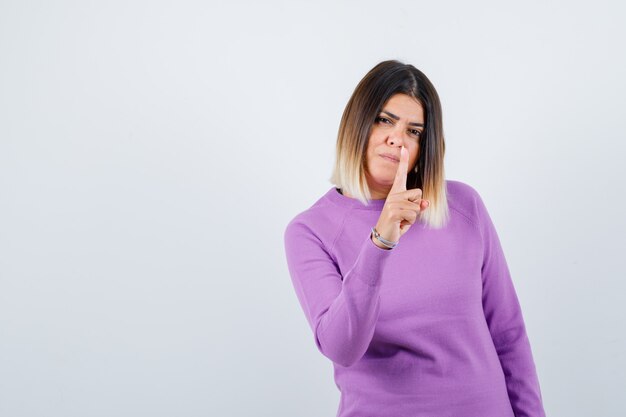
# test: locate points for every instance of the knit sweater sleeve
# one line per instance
(341, 310)
(506, 324)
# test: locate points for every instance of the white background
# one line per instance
(152, 153)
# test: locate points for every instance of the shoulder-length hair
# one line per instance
(379, 85)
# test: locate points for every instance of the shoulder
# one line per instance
(465, 199)
(322, 221)
(460, 191)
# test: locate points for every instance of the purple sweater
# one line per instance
(430, 328)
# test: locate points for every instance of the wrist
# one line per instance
(377, 242)
(380, 241)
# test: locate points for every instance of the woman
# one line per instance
(400, 273)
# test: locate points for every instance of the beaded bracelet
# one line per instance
(385, 242)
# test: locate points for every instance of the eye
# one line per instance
(416, 132)
(382, 119)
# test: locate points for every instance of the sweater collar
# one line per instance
(341, 200)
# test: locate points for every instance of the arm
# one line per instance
(506, 324)
(342, 314)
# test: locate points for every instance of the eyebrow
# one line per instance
(393, 116)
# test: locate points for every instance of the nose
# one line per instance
(396, 136)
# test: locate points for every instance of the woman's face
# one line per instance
(400, 122)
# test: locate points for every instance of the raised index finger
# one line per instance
(399, 183)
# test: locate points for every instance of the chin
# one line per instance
(382, 175)
(384, 179)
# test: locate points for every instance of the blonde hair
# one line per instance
(379, 84)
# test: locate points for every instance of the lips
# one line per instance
(390, 157)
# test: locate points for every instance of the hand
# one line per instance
(401, 206)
